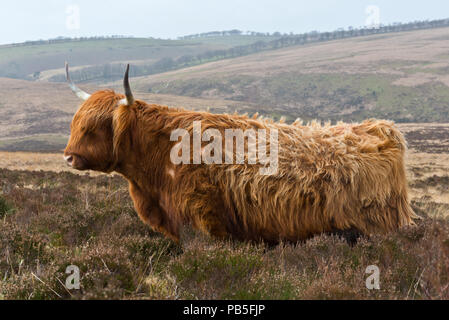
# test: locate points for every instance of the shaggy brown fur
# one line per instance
(342, 177)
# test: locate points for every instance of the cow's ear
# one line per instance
(129, 99)
(122, 123)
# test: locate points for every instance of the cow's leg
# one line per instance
(150, 212)
(209, 222)
(207, 213)
(350, 235)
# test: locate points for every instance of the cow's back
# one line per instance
(329, 177)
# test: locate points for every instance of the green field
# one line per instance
(323, 96)
(22, 61)
(35, 143)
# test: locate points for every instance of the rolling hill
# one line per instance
(41, 60)
(400, 76)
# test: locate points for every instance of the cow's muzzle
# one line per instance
(75, 161)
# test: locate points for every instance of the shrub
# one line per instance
(5, 207)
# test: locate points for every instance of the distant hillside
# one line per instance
(399, 76)
(40, 60)
(36, 116)
(101, 59)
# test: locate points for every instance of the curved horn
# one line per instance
(128, 93)
(80, 93)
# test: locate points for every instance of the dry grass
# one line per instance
(52, 220)
(29, 161)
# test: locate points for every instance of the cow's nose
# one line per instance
(68, 159)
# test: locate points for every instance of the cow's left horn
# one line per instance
(80, 93)
(128, 93)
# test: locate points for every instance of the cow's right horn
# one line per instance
(80, 93)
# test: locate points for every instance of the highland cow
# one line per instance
(329, 177)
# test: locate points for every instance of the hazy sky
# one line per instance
(31, 20)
